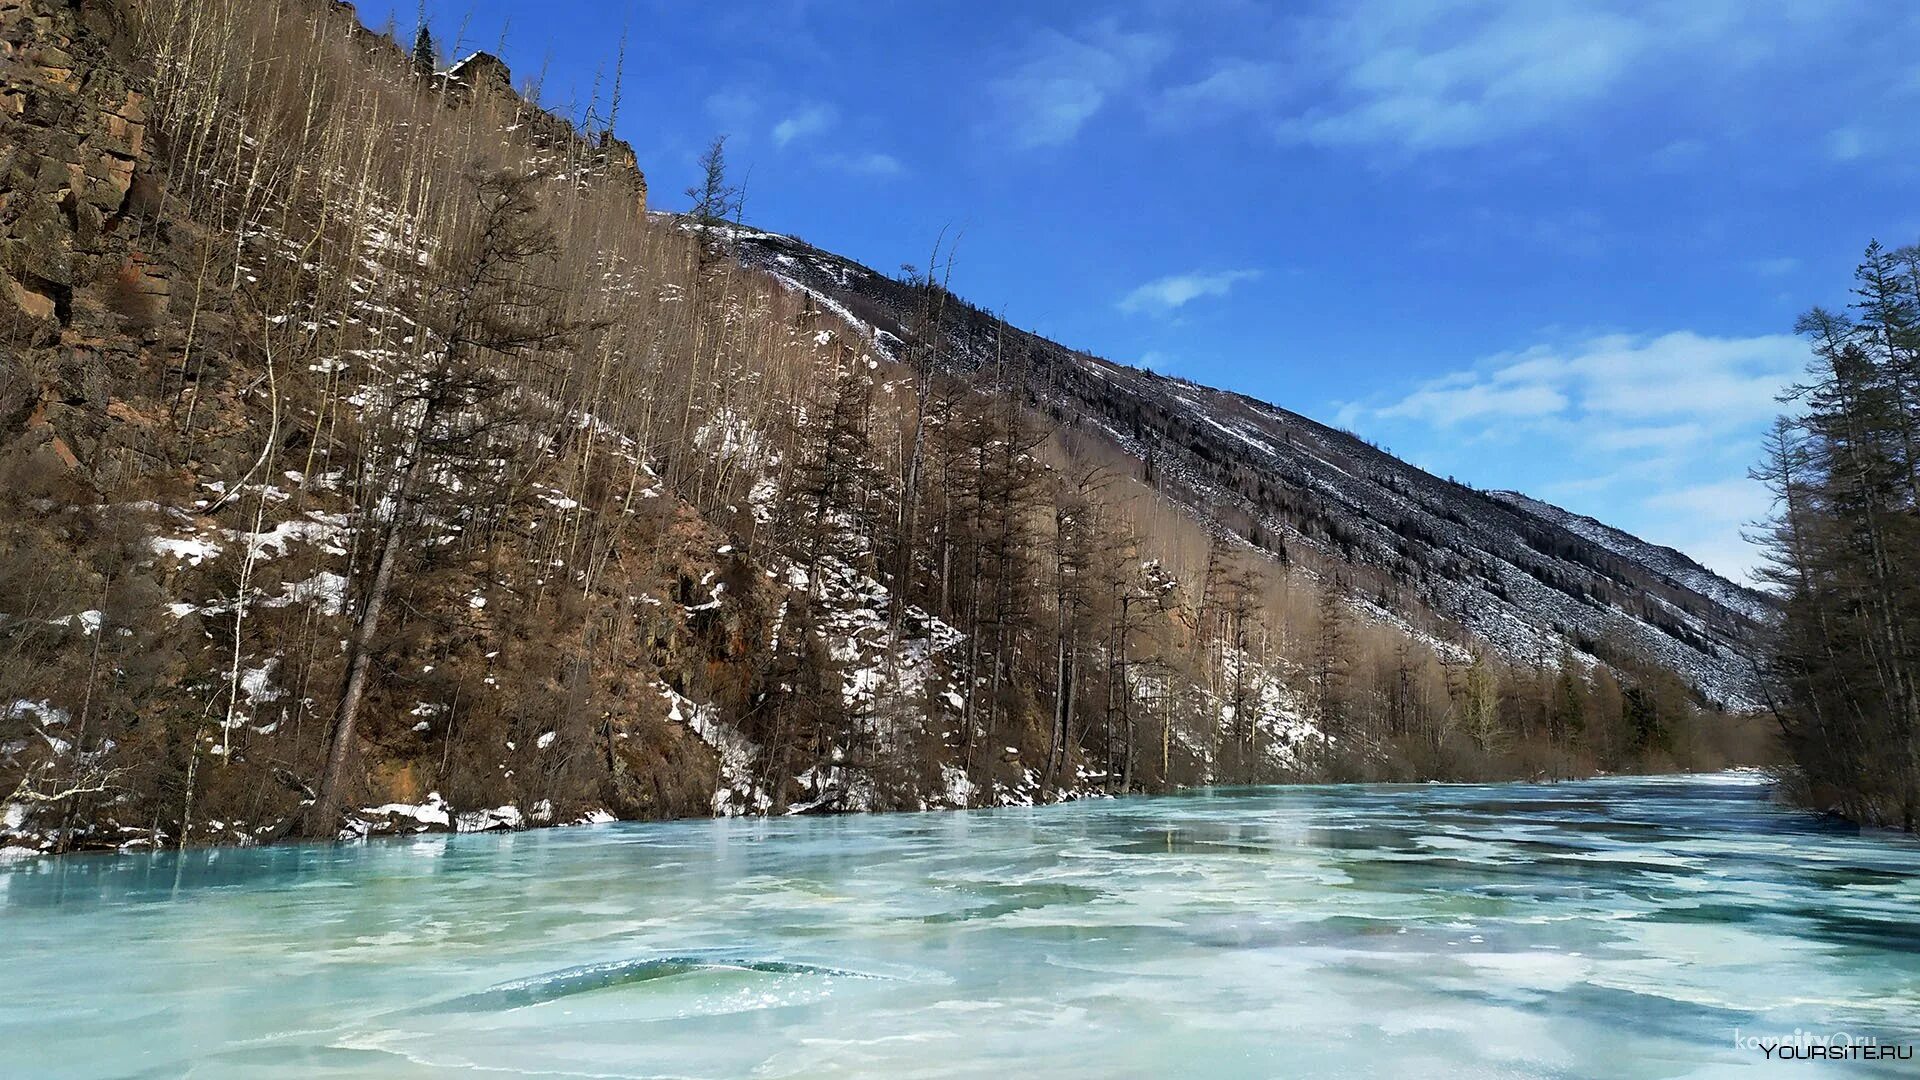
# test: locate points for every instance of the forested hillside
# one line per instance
(371, 460)
(1497, 570)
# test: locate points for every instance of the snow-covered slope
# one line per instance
(1507, 572)
(1665, 560)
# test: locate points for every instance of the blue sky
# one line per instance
(1551, 245)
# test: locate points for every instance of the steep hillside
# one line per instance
(1521, 576)
(371, 461)
(1673, 565)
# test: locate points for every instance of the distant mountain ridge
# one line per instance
(1675, 564)
(1512, 573)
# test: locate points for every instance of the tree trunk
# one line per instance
(1062, 701)
(321, 818)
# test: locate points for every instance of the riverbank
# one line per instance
(434, 815)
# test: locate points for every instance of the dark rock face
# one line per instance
(80, 288)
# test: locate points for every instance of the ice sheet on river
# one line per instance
(1608, 928)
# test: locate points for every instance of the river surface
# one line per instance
(1609, 928)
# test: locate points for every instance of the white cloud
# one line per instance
(1720, 380)
(1436, 77)
(1230, 85)
(1668, 438)
(867, 163)
(734, 109)
(1775, 267)
(1708, 522)
(1679, 155)
(809, 121)
(1066, 79)
(1446, 405)
(1652, 433)
(1166, 295)
(1618, 379)
(1416, 76)
(1731, 501)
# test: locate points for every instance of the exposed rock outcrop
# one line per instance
(483, 81)
(82, 291)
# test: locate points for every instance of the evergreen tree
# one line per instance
(1568, 719)
(1844, 667)
(425, 59)
(715, 201)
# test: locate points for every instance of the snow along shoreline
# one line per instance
(435, 817)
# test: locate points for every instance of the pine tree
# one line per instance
(1568, 718)
(425, 60)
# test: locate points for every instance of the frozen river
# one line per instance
(1614, 928)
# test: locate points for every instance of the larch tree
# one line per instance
(715, 199)
(491, 302)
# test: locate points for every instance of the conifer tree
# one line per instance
(715, 200)
(425, 60)
(1844, 667)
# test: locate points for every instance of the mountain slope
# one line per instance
(1674, 565)
(365, 445)
(1525, 578)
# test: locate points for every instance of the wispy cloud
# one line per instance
(1447, 402)
(1708, 521)
(1731, 500)
(1852, 144)
(1779, 266)
(806, 122)
(1164, 296)
(1229, 86)
(735, 109)
(1438, 76)
(1411, 77)
(1618, 378)
(1065, 79)
(1663, 427)
(864, 163)
(1571, 230)
(1650, 438)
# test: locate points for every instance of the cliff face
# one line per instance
(81, 290)
(215, 336)
(86, 283)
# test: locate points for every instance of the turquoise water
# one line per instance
(1606, 928)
